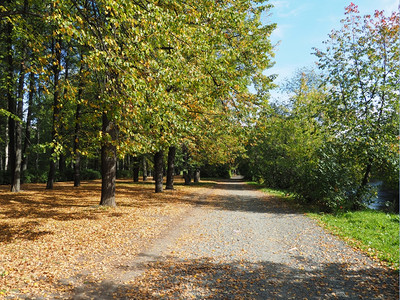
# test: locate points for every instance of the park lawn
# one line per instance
(374, 232)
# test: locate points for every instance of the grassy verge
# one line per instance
(374, 232)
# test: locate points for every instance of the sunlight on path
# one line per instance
(244, 244)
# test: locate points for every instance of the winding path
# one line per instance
(238, 243)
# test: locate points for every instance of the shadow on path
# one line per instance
(205, 279)
(235, 195)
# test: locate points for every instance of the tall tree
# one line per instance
(27, 139)
(56, 69)
(10, 98)
(362, 69)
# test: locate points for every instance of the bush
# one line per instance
(124, 174)
(216, 171)
(67, 175)
(34, 177)
(5, 177)
(90, 174)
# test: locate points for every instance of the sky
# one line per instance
(304, 24)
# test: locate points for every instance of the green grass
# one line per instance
(278, 193)
(374, 232)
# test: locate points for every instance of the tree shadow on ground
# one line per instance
(173, 278)
(227, 194)
(239, 196)
(23, 213)
(34, 205)
(26, 231)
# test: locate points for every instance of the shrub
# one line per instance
(217, 171)
(90, 174)
(124, 174)
(34, 177)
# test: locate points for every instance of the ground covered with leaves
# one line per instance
(54, 240)
(214, 240)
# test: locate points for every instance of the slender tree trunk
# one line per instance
(6, 154)
(358, 204)
(196, 177)
(158, 171)
(56, 112)
(28, 121)
(37, 153)
(144, 164)
(186, 172)
(11, 100)
(62, 160)
(62, 165)
(367, 172)
(136, 167)
(171, 167)
(16, 183)
(108, 163)
(187, 176)
(16, 171)
(77, 156)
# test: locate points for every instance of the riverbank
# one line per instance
(374, 232)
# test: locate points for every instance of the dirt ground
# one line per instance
(216, 240)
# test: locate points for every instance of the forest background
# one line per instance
(105, 89)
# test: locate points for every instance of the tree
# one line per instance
(123, 78)
(362, 71)
(158, 170)
(171, 168)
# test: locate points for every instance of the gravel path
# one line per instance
(238, 243)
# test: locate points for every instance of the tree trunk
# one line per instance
(108, 163)
(7, 146)
(367, 173)
(144, 163)
(187, 176)
(136, 167)
(11, 100)
(77, 156)
(62, 166)
(196, 175)
(170, 169)
(16, 183)
(358, 203)
(56, 112)
(28, 121)
(186, 172)
(158, 171)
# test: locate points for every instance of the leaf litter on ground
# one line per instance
(52, 241)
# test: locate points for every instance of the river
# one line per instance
(384, 198)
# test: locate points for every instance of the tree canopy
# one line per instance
(340, 128)
(112, 80)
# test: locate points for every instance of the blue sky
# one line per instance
(304, 24)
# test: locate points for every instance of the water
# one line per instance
(383, 198)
